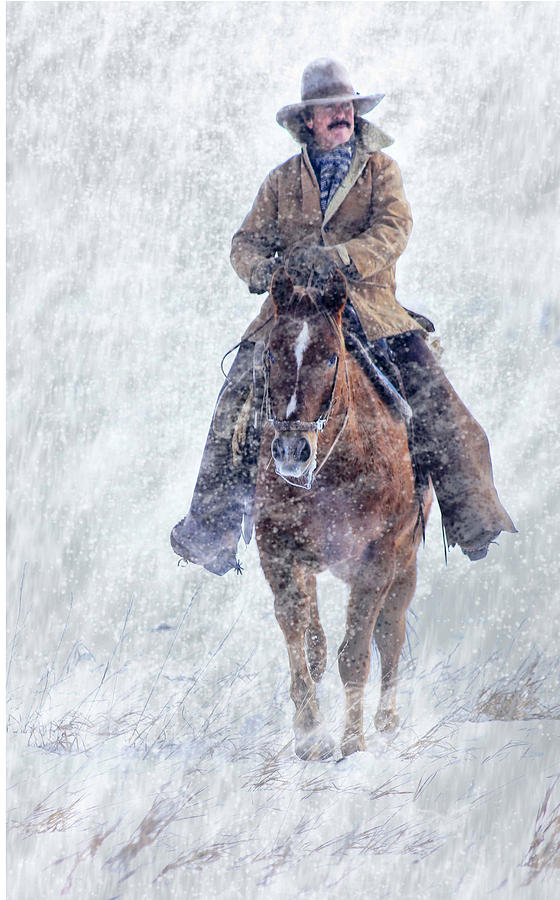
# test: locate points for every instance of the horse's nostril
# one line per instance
(303, 450)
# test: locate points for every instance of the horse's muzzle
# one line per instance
(294, 452)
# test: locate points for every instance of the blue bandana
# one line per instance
(330, 168)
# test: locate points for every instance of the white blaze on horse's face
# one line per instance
(301, 345)
(295, 450)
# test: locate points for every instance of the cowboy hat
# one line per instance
(326, 81)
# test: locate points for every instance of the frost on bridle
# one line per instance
(296, 424)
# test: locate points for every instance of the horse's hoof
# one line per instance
(314, 746)
(354, 743)
(386, 720)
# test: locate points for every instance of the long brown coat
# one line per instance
(367, 222)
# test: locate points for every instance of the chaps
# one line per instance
(452, 447)
(209, 533)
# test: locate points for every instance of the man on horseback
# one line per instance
(340, 204)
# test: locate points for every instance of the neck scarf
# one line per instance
(330, 167)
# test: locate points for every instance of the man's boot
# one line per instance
(209, 533)
(452, 447)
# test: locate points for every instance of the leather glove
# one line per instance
(340, 254)
(309, 261)
(261, 275)
(351, 272)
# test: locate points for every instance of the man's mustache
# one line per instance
(339, 122)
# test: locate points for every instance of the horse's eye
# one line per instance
(332, 360)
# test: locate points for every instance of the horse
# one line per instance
(340, 497)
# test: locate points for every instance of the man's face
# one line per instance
(331, 124)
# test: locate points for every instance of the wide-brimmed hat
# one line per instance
(326, 81)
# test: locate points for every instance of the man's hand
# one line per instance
(261, 275)
(309, 264)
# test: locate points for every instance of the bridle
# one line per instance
(317, 425)
(295, 424)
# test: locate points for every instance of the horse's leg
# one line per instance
(315, 640)
(367, 595)
(294, 590)
(389, 635)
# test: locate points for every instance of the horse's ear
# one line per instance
(281, 289)
(335, 293)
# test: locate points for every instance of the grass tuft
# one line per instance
(544, 852)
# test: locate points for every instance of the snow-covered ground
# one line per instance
(149, 719)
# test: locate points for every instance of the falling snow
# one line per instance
(150, 748)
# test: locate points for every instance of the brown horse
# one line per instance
(342, 498)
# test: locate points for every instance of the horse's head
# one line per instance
(305, 353)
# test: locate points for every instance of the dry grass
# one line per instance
(481, 693)
(45, 818)
(162, 813)
(283, 853)
(521, 695)
(202, 856)
(385, 838)
(86, 853)
(432, 743)
(195, 724)
(544, 852)
(70, 735)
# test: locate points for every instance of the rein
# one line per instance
(236, 346)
